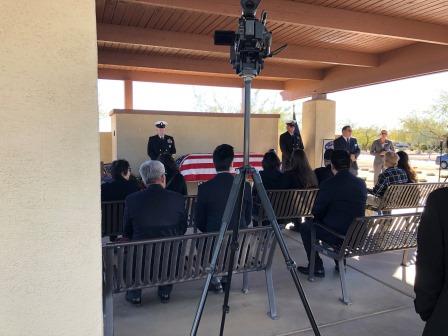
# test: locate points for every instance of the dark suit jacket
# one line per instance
(323, 173)
(431, 282)
(212, 200)
(340, 200)
(157, 146)
(118, 190)
(154, 213)
(351, 147)
(272, 179)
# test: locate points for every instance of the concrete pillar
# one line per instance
(50, 254)
(128, 95)
(318, 123)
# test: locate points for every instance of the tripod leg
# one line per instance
(227, 216)
(290, 264)
(234, 245)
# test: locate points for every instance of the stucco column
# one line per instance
(318, 123)
(50, 277)
(128, 95)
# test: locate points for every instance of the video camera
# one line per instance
(251, 43)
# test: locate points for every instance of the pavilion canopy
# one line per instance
(332, 44)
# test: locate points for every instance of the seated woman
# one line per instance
(175, 181)
(271, 175)
(300, 175)
(403, 163)
(121, 186)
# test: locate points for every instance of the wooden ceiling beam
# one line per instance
(172, 78)
(290, 12)
(192, 66)
(411, 61)
(185, 41)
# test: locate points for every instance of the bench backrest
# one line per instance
(184, 258)
(374, 234)
(409, 195)
(112, 216)
(289, 204)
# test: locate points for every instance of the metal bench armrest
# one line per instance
(323, 227)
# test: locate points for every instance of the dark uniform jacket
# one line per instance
(340, 200)
(288, 143)
(431, 282)
(350, 147)
(158, 146)
(118, 190)
(154, 213)
(212, 200)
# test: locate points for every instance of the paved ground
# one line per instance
(382, 303)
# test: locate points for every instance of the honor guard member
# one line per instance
(289, 141)
(161, 143)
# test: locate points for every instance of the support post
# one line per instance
(128, 95)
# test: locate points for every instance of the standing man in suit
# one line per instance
(212, 200)
(160, 143)
(431, 281)
(289, 141)
(153, 213)
(350, 145)
(340, 200)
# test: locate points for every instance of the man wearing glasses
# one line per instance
(349, 144)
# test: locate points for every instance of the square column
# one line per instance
(318, 123)
(50, 278)
(128, 95)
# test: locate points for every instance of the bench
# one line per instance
(112, 216)
(365, 236)
(174, 260)
(287, 204)
(404, 196)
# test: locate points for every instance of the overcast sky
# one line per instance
(382, 105)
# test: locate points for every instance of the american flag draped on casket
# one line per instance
(199, 167)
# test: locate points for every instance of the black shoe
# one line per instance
(216, 288)
(164, 298)
(295, 228)
(319, 272)
(134, 301)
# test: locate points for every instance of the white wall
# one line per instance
(50, 265)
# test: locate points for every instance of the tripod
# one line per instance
(234, 201)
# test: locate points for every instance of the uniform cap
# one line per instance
(290, 123)
(161, 124)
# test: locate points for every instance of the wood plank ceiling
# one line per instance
(332, 44)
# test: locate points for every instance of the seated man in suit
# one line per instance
(212, 199)
(340, 200)
(121, 185)
(350, 145)
(154, 213)
(431, 281)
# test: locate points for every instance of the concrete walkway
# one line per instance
(382, 303)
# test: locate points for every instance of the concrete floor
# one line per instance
(382, 303)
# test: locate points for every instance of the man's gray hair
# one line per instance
(151, 170)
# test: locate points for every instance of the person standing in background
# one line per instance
(160, 143)
(289, 141)
(379, 148)
(349, 144)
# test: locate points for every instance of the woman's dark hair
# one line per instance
(169, 163)
(403, 163)
(302, 169)
(270, 161)
(222, 157)
(118, 168)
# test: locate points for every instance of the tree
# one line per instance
(365, 136)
